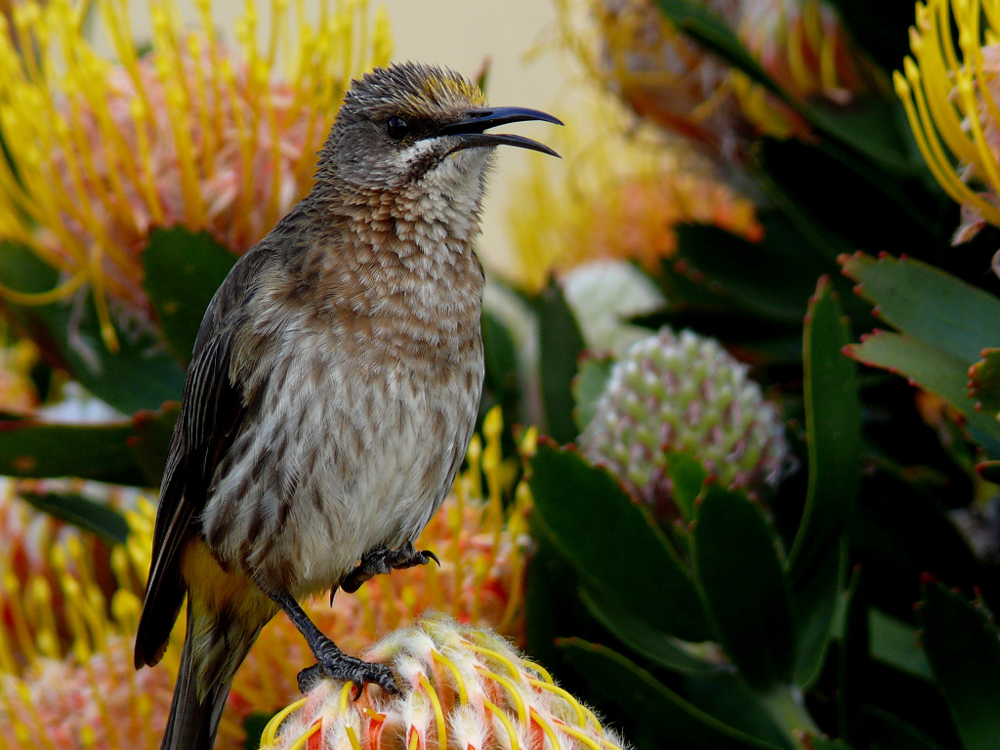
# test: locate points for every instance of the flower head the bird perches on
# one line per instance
(465, 687)
(193, 133)
(952, 98)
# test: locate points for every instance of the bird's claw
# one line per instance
(382, 560)
(348, 669)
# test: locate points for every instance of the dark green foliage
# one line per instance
(141, 375)
(588, 386)
(560, 345)
(963, 646)
(619, 680)
(741, 579)
(608, 539)
(127, 452)
(182, 272)
(83, 513)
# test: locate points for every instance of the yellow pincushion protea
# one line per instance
(193, 133)
(952, 99)
(463, 688)
(66, 674)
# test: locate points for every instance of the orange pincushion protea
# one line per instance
(66, 675)
(463, 687)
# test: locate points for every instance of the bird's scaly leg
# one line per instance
(330, 660)
(382, 560)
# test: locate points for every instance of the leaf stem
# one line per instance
(787, 708)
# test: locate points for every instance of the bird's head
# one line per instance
(416, 127)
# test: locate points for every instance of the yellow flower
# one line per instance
(66, 675)
(192, 133)
(463, 688)
(17, 392)
(951, 96)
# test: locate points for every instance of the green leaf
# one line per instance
(588, 386)
(852, 676)
(740, 573)
(759, 275)
(83, 513)
(643, 638)
(963, 647)
(560, 344)
(817, 561)
(500, 355)
(613, 543)
(687, 475)
(984, 382)
(933, 369)
(653, 705)
(924, 302)
(183, 269)
(833, 435)
(552, 607)
(815, 601)
(142, 375)
(33, 449)
(730, 700)
(894, 642)
(825, 743)
(889, 731)
(131, 452)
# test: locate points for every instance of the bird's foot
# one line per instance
(382, 560)
(333, 663)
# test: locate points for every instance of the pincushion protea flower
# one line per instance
(668, 78)
(463, 687)
(952, 99)
(804, 46)
(192, 133)
(665, 77)
(684, 393)
(66, 674)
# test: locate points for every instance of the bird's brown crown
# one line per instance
(414, 88)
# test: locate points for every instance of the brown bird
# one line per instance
(332, 391)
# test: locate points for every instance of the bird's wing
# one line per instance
(211, 413)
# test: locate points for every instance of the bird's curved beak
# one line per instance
(470, 129)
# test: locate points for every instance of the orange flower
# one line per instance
(464, 688)
(66, 675)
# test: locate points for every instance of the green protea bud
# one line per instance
(674, 393)
(462, 688)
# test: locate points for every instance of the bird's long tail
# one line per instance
(215, 645)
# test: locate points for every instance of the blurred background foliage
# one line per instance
(746, 383)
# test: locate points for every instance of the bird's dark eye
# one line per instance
(397, 128)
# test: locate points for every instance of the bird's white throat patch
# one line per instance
(450, 194)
